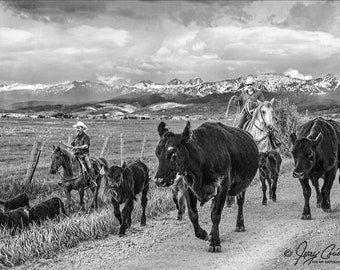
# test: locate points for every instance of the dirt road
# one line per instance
(274, 237)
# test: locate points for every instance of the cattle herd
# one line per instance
(211, 162)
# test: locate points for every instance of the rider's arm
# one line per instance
(84, 146)
(66, 144)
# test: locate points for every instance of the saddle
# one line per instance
(82, 163)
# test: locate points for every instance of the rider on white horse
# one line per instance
(249, 99)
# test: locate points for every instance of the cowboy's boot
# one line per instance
(93, 183)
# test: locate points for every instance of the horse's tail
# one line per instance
(231, 99)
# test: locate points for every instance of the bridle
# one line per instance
(265, 125)
(66, 180)
(264, 121)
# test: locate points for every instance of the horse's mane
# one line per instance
(68, 160)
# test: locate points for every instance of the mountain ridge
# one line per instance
(72, 92)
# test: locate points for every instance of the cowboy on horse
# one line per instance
(80, 146)
(249, 101)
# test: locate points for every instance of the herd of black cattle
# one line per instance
(212, 162)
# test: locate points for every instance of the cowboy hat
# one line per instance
(80, 124)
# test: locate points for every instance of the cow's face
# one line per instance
(304, 153)
(172, 154)
(119, 180)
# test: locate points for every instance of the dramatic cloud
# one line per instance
(293, 73)
(53, 41)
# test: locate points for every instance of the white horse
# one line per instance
(260, 125)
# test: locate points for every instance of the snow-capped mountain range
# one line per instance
(89, 91)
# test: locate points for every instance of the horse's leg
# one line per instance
(68, 199)
(94, 190)
(144, 202)
(81, 198)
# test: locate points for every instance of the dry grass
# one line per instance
(53, 236)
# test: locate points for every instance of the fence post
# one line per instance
(104, 147)
(34, 159)
(143, 145)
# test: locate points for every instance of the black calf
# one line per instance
(269, 168)
(14, 220)
(125, 183)
(47, 209)
(16, 202)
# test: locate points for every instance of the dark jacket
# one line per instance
(80, 140)
(257, 95)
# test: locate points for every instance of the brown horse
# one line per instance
(74, 175)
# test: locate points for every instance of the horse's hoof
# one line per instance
(274, 199)
(318, 205)
(143, 223)
(327, 209)
(179, 217)
(214, 248)
(306, 217)
(264, 203)
(240, 229)
(121, 234)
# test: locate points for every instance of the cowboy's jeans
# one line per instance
(86, 158)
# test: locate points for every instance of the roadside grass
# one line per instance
(53, 236)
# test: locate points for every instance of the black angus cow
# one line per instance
(14, 220)
(50, 208)
(316, 155)
(269, 168)
(124, 184)
(19, 201)
(178, 189)
(215, 160)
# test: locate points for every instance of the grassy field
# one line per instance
(16, 142)
(17, 138)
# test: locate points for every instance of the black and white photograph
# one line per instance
(146, 134)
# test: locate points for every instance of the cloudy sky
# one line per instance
(57, 41)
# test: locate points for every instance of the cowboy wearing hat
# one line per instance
(248, 98)
(81, 147)
(249, 101)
